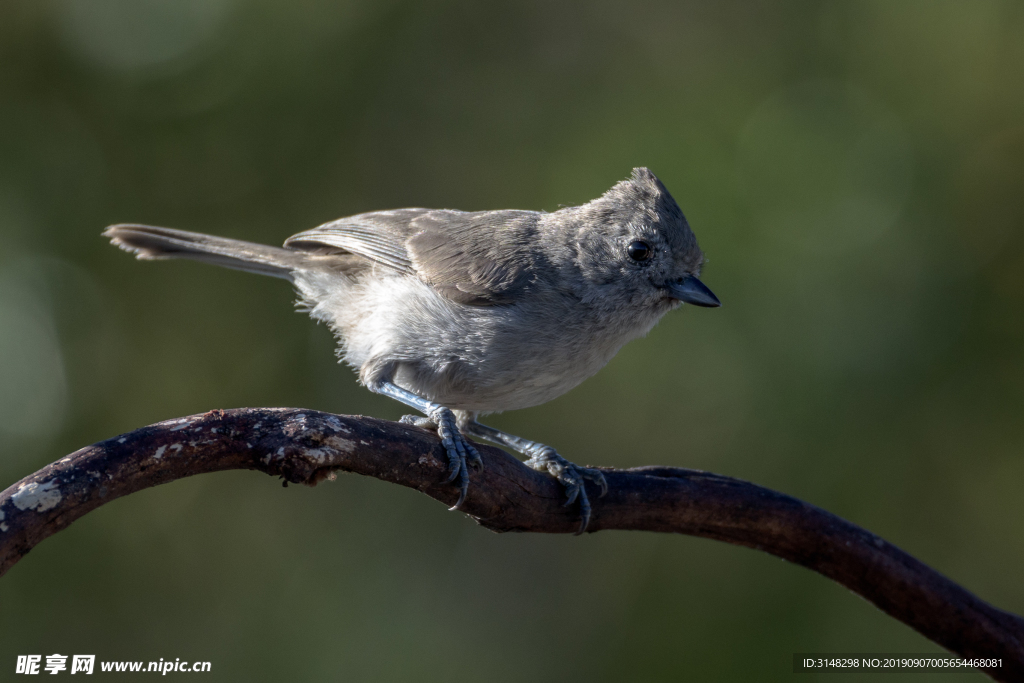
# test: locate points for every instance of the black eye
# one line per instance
(639, 251)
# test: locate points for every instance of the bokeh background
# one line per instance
(854, 171)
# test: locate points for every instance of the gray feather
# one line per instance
(379, 236)
(152, 243)
(453, 251)
(459, 254)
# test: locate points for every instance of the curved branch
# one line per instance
(306, 446)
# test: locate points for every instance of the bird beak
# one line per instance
(692, 291)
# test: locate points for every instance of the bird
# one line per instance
(460, 314)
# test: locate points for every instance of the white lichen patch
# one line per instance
(318, 455)
(38, 497)
(273, 456)
(122, 439)
(159, 452)
(340, 444)
(336, 424)
(179, 427)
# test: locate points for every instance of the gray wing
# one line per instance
(379, 236)
(479, 259)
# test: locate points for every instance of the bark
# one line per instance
(305, 446)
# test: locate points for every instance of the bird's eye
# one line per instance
(639, 251)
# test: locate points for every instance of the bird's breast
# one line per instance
(475, 358)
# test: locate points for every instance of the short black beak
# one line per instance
(692, 291)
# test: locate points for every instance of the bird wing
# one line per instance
(379, 236)
(458, 253)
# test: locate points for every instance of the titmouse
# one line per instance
(459, 314)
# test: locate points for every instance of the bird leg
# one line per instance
(545, 459)
(459, 449)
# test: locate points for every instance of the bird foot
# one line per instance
(572, 477)
(461, 453)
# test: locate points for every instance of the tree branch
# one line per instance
(306, 446)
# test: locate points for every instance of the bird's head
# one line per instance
(634, 244)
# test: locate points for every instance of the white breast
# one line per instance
(474, 358)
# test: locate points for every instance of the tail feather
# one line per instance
(148, 242)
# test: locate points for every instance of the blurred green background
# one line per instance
(854, 171)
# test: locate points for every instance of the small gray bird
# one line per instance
(459, 314)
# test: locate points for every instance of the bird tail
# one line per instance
(148, 242)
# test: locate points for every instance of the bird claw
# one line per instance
(572, 477)
(461, 453)
(418, 421)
